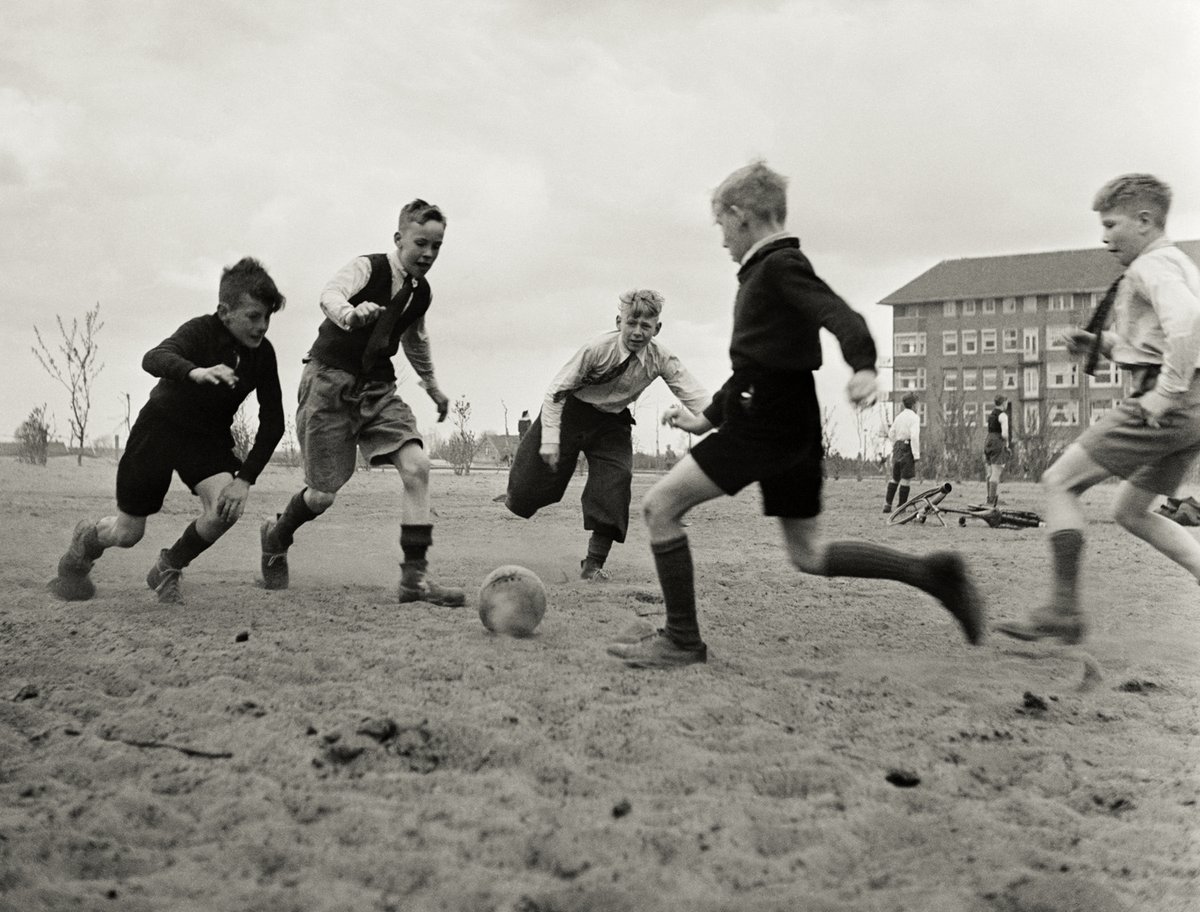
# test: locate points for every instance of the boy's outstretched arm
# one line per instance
(270, 418)
(415, 342)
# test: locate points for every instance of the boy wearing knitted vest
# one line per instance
(375, 305)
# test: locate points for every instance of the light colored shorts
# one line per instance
(1153, 459)
(340, 415)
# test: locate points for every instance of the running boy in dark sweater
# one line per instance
(348, 403)
(206, 368)
(768, 429)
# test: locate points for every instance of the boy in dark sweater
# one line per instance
(348, 403)
(768, 429)
(206, 368)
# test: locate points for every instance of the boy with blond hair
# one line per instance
(1152, 438)
(206, 369)
(586, 410)
(767, 425)
(348, 403)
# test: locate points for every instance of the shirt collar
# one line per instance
(1157, 244)
(761, 243)
(393, 256)
(624, 353)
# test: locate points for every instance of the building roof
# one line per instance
(1018, 274)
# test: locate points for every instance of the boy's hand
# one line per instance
(1078, 341)
(677, 416)
(441, 401)
(549, 454)
(218, 373)
(363, 314)
(1154, 405)
(863, 388)
(232, 500)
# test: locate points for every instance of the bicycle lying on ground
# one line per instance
(929, 503)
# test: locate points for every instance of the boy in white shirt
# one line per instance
(905, 435)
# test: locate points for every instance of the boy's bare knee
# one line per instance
(319, 501)
(127, 538)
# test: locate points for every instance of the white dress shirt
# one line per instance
(907, 426)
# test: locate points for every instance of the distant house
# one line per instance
(497, 449)
(969, 329)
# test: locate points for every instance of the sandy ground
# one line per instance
(325, 749)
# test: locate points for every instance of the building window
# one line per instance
(906, 344)
(1062, 374)
(989, 378)
(1010, 378)
(950, 343)
(1032, 418)
(1063, 414)
(989, 305)
(987, 341)
(970, 414)
(970, 378)
(1029, 338)
(1032, 386)
(1084, 299)
(951, 415)
(1107, 374)
(1009, 306)
(1099, 407)
(1059, 302)
(950, 379)
(968, 308)
(1056, 336)
(921, 413)
(1012, 340)
(913, 379)
(1030, 304)
(949, 309)
(970, 342)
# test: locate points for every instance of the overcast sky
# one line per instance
(574, 148)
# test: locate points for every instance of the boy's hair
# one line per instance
(418, 212)
(642, 302)
(1133, 193)
(1000, 400)
(910, 400)
(755, 188)
(247, 277)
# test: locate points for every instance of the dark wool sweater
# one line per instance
(208, 409)
(781, 307)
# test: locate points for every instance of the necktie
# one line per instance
(605, 376)
(381, 334)
(1096, 325)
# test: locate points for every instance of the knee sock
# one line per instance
(414, 542)
(891, 493)
(189, 546)
(1066, 551)
(294, 515)
(598, 548)
(870, 561)
(903, 495)
(991, 493)
(673, 561)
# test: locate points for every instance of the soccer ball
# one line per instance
(512, 601)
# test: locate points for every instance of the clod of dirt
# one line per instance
(343, 753)
(621, 808)
(1034, 702)
(28, 692)
(242, 637)
(381, 729)
(902, 778)
(1136, 686)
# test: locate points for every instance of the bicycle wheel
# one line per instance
(921, 505)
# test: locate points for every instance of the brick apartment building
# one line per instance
(968, 329)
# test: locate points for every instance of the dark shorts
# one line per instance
(772, 436)
(994, 452)
(154, 451)
(904, 464)
(339, 416)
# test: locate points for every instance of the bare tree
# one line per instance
(959, 457)
(463, 445)
(33, 437)
(75, 367)
(243, 433)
